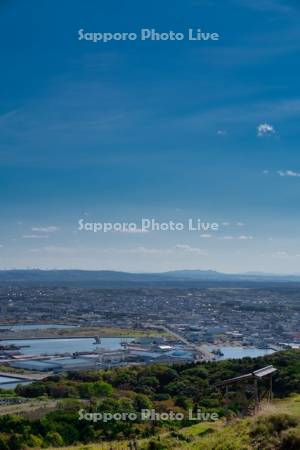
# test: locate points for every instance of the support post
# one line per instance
(256, 395)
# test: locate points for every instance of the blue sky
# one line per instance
(172, 130)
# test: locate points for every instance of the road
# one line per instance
(202, 350)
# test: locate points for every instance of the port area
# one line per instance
(24, 360)
(55, 355)
(28, 353)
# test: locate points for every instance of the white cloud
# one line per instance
(241, 238)
(187, 248)
(265, 129)
(288, 173)
(266, 172)
(240, 224)
(141, 249)
(48, 229)
(222, 133)
(205, 236)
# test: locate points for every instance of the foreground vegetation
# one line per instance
(164, 388)
(274, 428)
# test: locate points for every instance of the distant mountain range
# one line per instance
(113, 278)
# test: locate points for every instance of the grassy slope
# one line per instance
(210, 436)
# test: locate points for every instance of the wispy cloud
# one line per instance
(183, 248)
(288, 173)
(7, 116)
(280, 254)
(68, 116)
(187, 248)
(282, 173)
(255, 47)
(35, 236)
(47, 229)
(239, 117)
(278, 6)
(55, 249)
(243, 237)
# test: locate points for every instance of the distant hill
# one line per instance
(115, 278)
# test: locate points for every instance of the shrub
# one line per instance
(54, 438)
(290, 439)
(155, 445)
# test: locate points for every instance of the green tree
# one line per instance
(54, 438)
(36, 389)
(103, 389)
(142, 402)
(16, 442)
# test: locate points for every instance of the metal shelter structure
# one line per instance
(250, 382)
